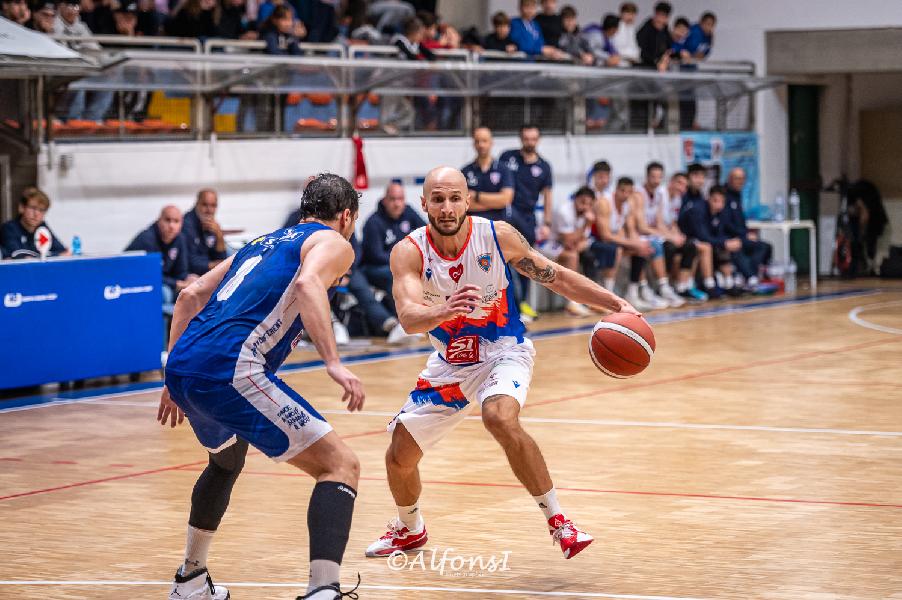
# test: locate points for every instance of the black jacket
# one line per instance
(381, 233)
(653, 43)
(173, 254)
(200, 244)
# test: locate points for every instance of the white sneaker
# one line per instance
(577, 310)
(632, 296)
(196, 586)
(398, 539)
(398, 336)
(671, 297)
(652, 299)
(341, 333)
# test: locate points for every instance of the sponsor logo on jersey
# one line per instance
(463, 349)
(471, 179)
(293, 416)
(536, 171)
(173, 253)
(495, 177)
(456, 272)
(405, 226)
(484, 261)
(265, 335)
(428, 273)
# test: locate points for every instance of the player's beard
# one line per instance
(446, 229)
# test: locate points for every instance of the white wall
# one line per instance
(112, 191)
(740, 35)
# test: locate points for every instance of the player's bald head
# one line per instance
(444, 177)
(170, 211)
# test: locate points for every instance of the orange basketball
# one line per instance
(622, 345)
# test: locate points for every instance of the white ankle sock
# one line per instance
(683, 286)
(710, 283)
(411, 517)
(323, 572)
(197, 547)
(548, 503)
(632, 289)
(608, 284)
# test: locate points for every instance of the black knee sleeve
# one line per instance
(637, 263)
(213, 489)
(329, 520)
(687, 255)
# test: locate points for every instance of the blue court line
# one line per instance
(685, 315)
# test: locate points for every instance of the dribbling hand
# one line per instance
(354, 394)
(463, 301)
(169, 410)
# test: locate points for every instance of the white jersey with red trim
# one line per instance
(495, 324)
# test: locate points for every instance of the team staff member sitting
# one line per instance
(165, 236)
(390, 224)
(17, 235)
(490, 182)
(756, 252)
(702, 220)
(203, 235)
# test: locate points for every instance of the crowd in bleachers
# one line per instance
(538, 32)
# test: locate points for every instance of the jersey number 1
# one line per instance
(232, 284)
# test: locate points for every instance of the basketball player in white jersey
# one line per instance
(452, 279)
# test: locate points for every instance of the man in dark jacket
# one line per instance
(756, 253)
(391, 222)
(654, 39)
(165, 236)
(704, 220)
(203, 235)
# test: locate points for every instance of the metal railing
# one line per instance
(125, 41)
(257, 80)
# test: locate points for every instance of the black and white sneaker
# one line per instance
(196, 585)
(322, 592)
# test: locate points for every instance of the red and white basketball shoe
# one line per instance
(572, 539)
(398, 538)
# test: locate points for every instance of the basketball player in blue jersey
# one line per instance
(231, 330)
(452, 279)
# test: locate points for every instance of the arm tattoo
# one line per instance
(522, 239)
(534, 272)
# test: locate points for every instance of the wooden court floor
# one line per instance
(760, 456)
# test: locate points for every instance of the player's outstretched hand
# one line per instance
(169, 410)
(349, 382)
(626, 307)
(463, 301)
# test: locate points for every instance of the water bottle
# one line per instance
(794, 208)
(76, 246)
(789, 279)
(779, 208)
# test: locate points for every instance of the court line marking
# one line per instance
(601, 422)
(142, 473)
(387, 355)
(855, 318)
(518, 486)
(405, 588)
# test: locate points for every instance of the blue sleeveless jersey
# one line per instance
(251, 322)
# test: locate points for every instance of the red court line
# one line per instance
(142, 473)
(718, 371)
(604, 491)
(103, 480)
